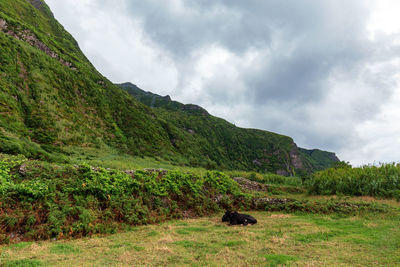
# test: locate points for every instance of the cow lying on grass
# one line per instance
(235, 218)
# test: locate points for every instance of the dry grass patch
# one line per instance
(280, 216)
(277, 239)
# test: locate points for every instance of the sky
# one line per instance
(325, 73)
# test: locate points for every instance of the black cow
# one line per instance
(235, 218)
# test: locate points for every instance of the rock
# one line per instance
(250, 185)
(3, 24)
(22, 170)
(36, 3)
(218, 198)
(257, 163)
(161, 171)
(262, 202)
(30, 38)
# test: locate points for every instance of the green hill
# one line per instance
(227, 145)
(52, 97)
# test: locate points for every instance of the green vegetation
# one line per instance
(267, 178)
(68, 137)
(46, 105)
(194, 132)
(46, 200)
(379, 181)
(277, 239)
(53, 99)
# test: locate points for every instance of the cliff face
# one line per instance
(51, 97)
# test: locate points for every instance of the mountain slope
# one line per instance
(230, 146)
(52, 97)
(51, 94)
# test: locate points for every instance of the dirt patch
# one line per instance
(280, 216)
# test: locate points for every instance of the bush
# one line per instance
(378, 181)
(47, 200)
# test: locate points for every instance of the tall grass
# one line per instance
(267, 178)
(383, 181)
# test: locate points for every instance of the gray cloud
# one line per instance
(308, 69)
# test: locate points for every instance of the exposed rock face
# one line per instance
(36, 3)
(257, 163)
(29, 37)
(161, 172)
(260, 203)
(250, 185)
(295, 158)
(23, 170)
(3, 24)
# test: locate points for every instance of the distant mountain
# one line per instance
(231, 146)
(52, 97)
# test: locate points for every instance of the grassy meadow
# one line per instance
(78, 215)
(278, 239)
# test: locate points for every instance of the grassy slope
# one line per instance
(44, 102)
(226, 144)
(46, 106)
(277, 239)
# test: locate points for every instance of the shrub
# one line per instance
(378, 181)
(47, 200)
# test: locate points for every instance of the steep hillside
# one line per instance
(228, 145)
(52, 97)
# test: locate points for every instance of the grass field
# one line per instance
(277, 240)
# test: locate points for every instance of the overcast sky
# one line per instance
(323, 72)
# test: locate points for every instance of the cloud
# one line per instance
(322, 72)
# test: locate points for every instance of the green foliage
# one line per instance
(195, 133)
(320, 160)
(341, 165)
(381, 181)
(270, 178)
(49, 200)
(324, 206)
(46, 200)
(221, 183)
(47, 105)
